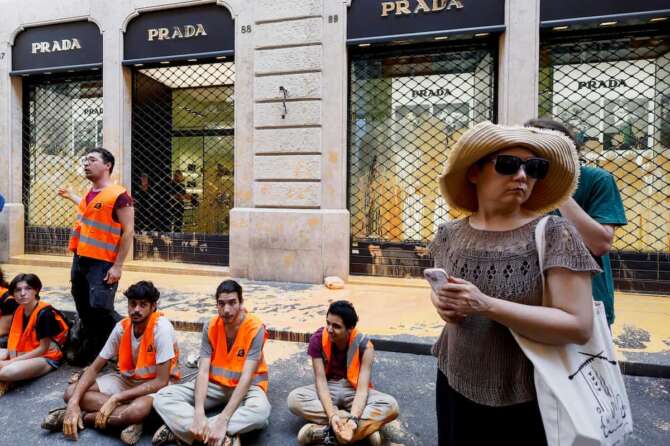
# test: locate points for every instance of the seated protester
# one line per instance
(342, 403)
(7, 307)
(148, 357)
(36, 336)
(232, 373)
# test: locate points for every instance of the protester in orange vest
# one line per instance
(100, 241)
(7, 307)
(146, 345)
(232, 373)
(342, 405)
(36, 336)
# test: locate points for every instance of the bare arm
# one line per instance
(36, 353)
(361, 398)
(69, 194)
(597, 237)
(568, 319)
(126, 217)
(161, 380)
(5, 324)
(201, 384)
(321, 384)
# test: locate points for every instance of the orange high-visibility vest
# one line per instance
(356, 340)
(95, 233)
(226, 366)
(145, 368)
(24, 340)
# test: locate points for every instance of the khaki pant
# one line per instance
(380, 408)
(175, 404)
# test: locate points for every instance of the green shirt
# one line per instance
(599, 196)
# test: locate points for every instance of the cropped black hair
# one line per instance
(229, 286)
(345, 310)
(106, 156)
(32, 280)
(143, 290)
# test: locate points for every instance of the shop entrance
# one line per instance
(182, 161)
(407, 106)
(613, 88)
(62, 117)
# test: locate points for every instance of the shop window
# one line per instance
(614, 90)
(182, 161)
(62, 117)
(408, 105)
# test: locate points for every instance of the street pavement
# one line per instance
(409, 378)
(395, 309)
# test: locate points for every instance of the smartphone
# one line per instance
(436, 277)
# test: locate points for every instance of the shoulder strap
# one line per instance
(540, 243)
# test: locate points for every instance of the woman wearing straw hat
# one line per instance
(506, 178)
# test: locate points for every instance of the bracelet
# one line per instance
(355, 419)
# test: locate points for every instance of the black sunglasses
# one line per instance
(509, 165)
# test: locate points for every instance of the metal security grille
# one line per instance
(407, 107)
(182, 162)
(62, 117)
(614, 89)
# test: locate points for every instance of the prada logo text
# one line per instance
(56, 46)
(408, 7)
(176, 32)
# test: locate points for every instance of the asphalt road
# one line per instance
(409, 378)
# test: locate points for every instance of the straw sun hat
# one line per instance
(486, 138)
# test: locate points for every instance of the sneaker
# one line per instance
(316, 434)
(54, 421)
(163, 435)
(375, 439)
(5, 386)
(232, 441)
(132, 434)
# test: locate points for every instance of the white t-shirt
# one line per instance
(164, 337)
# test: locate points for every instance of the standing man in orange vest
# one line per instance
(232, 372)
(342, 403)
(146, 345)
(100, 241)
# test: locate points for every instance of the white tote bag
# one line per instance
(580, 389)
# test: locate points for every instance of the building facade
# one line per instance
(293, 140)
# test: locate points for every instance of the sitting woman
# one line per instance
(506, 178)
(7, 307)
(37, 333)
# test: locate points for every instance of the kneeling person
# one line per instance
(148, 357)
(231, 372)
(342, 402)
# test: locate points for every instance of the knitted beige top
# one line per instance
(479, 356)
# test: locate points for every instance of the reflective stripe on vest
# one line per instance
(356, 340)
(95, 233)
(145, 366)
(227, 364)
(24, 339)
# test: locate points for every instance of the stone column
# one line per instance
(519, 62)
(294, 227)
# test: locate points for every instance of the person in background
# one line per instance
(596, 210)
(7, 307)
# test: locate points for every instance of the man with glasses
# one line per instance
(100, 241)
(232, 374)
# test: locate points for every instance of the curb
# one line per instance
(628, 368)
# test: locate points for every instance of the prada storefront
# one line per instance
(182, 132)
(62, 116)
(605, 69)
(421, 72)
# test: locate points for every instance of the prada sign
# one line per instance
(554, 13)
(400, 7)
(178, 34)
(63, 46)
(380, 20)
(594, 84)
